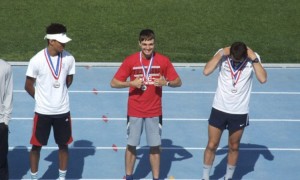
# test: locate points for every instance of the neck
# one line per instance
(148, 57)
(52, 52)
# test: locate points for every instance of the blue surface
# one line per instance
(270, 146)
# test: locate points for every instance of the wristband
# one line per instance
(168, 83)
(256, 60)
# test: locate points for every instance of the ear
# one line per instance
(51, 41)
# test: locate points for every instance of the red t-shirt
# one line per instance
(145, 103)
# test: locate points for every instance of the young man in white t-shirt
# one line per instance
(230, 108)
(48, 77)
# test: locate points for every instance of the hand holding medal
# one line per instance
(143, 85)
(138, 83)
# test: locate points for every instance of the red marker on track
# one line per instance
(115, 148)
(104, 118)
(95, 91)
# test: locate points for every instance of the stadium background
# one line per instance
(186, 30)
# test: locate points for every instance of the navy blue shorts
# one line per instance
(62, 130)
(232, 122)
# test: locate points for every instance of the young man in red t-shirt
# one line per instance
(148, 71)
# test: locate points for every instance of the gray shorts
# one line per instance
(153, 128)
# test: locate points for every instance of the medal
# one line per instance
(234, 90)
(56, 84)
(143, 87)
(235, 74)
(146, 74)
(55, 71)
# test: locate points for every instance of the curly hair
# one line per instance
(56, 28)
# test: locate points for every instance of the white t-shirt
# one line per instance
(51, 100)
(229, 98)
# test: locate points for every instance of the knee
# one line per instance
(155, 150)
(211, 147)
(131, 149)
(36, 149)
(63, 147)
(233, 147)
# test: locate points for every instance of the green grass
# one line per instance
(186, 30)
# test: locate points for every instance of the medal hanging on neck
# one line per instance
(55, 71)
(146, 74)
(235, 73)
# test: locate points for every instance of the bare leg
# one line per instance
(130, 157)
(155, 161)
(63, 156)
(214, 135)
(233, 146)
(233, 152)
(34, 158)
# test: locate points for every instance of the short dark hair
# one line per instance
(146, 34)
(56, 28)
(238, 50)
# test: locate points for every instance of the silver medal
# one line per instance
(56, 84)
(234, 90)
(143, 87)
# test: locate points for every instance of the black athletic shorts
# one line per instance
(62, 129)
(232, 122)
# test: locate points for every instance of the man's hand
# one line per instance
(137, 82)
(161, 81)
(251, 54)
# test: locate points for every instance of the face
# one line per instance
(57, 46)
(147, 47)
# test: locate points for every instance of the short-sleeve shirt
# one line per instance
(232, 98)
(145, 103)
(51, 100)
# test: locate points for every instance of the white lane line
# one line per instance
(173, 92)
(164, 148)
(165, 119)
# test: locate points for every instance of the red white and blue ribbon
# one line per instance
(55, 71)
(146, 74)
(236, 72)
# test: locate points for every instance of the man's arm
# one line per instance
(212, 64)
(175, 83)
(8, 98)
(29, 86)
(260, 72)
(163, 82)
(69, 80)
(137, 82)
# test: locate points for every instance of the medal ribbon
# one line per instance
(236, 73)
(146, 75)
(55, 72)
